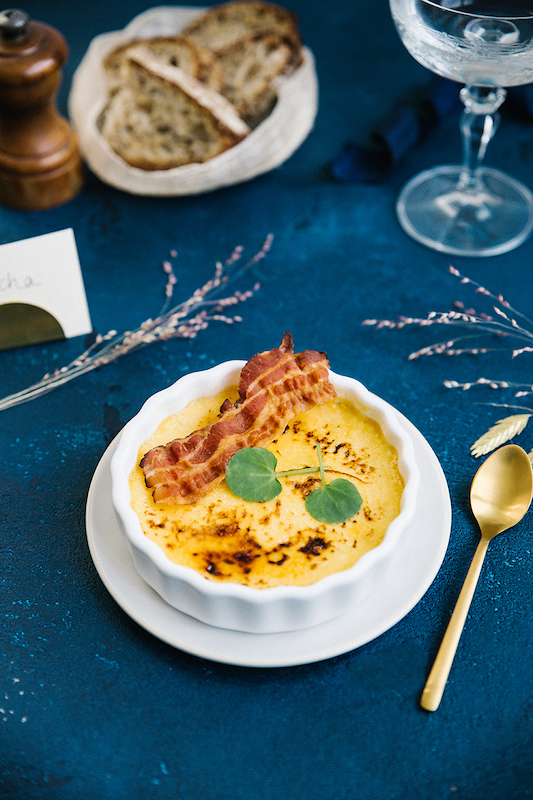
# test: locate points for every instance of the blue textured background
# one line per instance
(92, 706)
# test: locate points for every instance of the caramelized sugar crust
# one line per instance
(278, 543)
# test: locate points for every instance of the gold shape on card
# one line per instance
(23, 324)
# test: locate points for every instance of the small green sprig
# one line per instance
(251, 475)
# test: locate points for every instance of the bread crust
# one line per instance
(207, 86)
(163, 118)
(250, 68)
(241, 18)
(179, 51)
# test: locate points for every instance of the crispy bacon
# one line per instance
(274, 386)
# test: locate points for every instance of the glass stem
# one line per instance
(479, 122)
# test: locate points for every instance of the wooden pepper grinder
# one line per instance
(40, 165)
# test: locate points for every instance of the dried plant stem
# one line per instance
(183, 321)
(509, 325)
(478, 325)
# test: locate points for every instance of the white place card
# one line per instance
(42, 296)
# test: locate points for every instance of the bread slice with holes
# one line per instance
(163, 118)
(176, 51)
(222, 26)
(251, 68)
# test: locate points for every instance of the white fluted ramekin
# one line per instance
(231, 605)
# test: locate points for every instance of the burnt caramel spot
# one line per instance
(227, 529)
(235, 556)
(315, 545)
(282, 560)
(244, 556)
(275, 550)
(307, 485)
(153, 524)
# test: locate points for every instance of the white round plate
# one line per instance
(415, 567)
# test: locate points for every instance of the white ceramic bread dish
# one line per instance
(231, 605)
(267, 147)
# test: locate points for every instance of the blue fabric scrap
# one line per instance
(406, 125)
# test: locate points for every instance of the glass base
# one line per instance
(432, 210)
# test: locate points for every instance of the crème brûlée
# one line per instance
(278, 543)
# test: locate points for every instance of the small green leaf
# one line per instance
(337, 501)
(251, 474)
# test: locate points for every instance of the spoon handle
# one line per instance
(434, 688)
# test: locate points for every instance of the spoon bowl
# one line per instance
(501, 490)
(500, 496)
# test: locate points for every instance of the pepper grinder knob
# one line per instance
(13, 23)
(40, 164)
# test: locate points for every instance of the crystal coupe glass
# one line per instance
(469, 210)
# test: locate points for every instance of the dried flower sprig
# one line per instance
(508, 324)
(183, 321)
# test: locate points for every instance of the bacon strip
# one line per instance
(274, 386)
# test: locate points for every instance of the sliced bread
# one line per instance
(223, 25)
(177, 51)
(250, 68)
(163, 118)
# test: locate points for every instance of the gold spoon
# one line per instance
(500, 496)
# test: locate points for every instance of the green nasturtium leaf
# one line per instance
(337, 501)
(251, 474)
